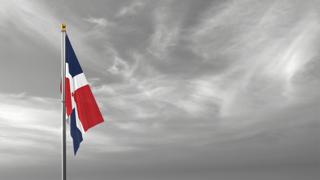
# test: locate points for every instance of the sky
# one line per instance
(192, 90)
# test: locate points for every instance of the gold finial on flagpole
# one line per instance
(63, 27)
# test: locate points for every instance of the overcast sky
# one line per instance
(189, 89)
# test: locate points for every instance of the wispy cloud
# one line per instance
(255, 53)
(130, 9)
(165, 34)
(36, 20)
(28, 122)
(32, 18)
(32, 126)
(100, 22)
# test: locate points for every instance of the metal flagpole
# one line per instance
(63, 98)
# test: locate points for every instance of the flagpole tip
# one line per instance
(63, 27)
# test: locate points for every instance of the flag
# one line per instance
(81, 107)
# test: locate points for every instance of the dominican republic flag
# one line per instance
(81, 107)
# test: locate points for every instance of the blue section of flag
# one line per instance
(75, 132)
(72, 59)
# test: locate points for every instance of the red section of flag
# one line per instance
(87, 108)
(68, 102)
(68, 97)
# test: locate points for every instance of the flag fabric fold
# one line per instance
(81, 107)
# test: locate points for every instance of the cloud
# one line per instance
(165, 34)
(34, 20)
(130, 9)
(30, 125)
(119, 66)
(31, 17)
(252, 52)
(100, 22)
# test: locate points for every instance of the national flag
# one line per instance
(81, 107)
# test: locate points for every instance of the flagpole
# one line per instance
(63, 97)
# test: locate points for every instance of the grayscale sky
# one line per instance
(189, 89)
